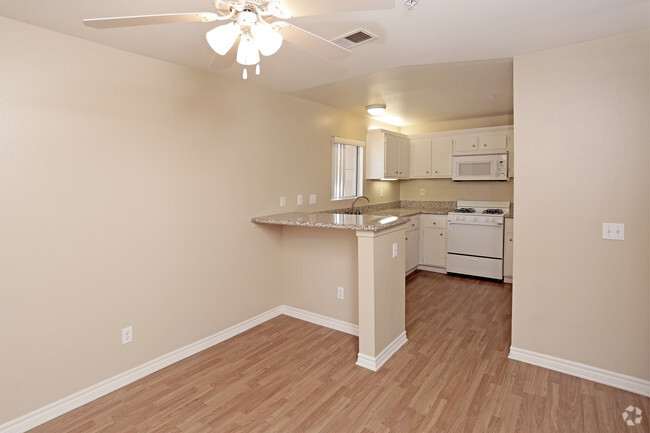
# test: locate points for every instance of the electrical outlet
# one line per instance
(340, 292)
(421, 191)
(614, 231)
(381, 193)
(299, 200)
(312, 198)
(283, 201)
(394, 249)
(127, 334)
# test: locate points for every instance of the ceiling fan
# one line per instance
(256, 26)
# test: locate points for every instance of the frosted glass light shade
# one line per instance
(222, 38)
(247, 53)
(376, 109)
(267, 38)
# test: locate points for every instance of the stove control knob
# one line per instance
(462, 218)
(486, 219)
(474, 218)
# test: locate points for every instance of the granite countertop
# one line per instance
(373, 218)
(368, 222)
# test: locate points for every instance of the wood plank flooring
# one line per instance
(287, 375)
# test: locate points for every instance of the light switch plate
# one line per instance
(614, 231)
(283, 200)
(312, 198)
(299, 200)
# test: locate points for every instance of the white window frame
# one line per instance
(337, 167)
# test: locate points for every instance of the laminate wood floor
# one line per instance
(287, 375)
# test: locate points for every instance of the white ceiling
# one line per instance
(434, 62)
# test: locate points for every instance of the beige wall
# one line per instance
(127, 185)
(315, 262)
(446, 189)
(581, 120)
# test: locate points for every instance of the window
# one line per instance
(347, 168)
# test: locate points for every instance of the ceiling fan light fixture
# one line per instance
(222, 38)
(268, 39)
(376, 109)
(247, 53)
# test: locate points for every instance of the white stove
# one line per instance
(475, 238)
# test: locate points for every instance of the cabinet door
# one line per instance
(507, 248)
(441, 157)
(412, 249)
(493, 142)
(391, 155)
(434, 247)
(403, 158)
(511, 154)
(465, 143)
(421, 157)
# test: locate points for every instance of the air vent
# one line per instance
(355, 38)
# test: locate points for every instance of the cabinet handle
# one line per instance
(427, 172)
(436, 171)
(440, 234)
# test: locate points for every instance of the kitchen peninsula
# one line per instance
(362, 254)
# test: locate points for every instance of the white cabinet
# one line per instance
(433, 241)
(507, 250)
(413, 243)
(421, 157)
(403, 158)
(465, 144)
(387, 155)
(441, 157)
(431, 157)
(481, 143)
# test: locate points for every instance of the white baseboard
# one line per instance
(432, 269)
(375, 363)
(318, 319)
(78, 399)
(584, 371)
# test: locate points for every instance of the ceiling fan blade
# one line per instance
(225, 61)
(299, 8)
(141, 20)
(312, 42)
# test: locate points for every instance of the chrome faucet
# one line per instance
(355, 202)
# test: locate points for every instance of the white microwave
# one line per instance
(493, 166)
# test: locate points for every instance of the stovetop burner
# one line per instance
(465, 210)
(493, 211)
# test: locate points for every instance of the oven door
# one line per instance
(475, 239)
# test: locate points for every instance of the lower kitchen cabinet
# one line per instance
(433, 241)
(507, 250)
(434, 247)
(413, 244)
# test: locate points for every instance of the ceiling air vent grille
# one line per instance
(355, 38)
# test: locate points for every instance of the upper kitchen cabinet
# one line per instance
(441, 157)
(431, 157)
(485, 142)
(421, 157)
(387, 155)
